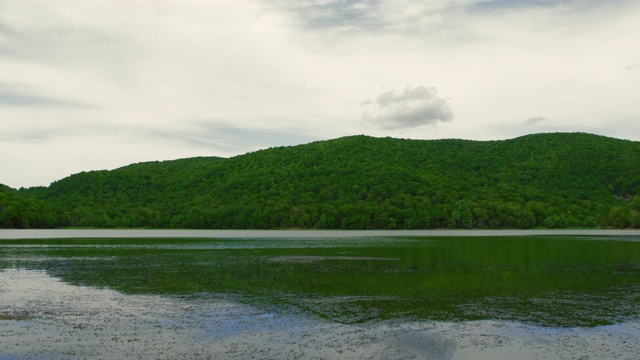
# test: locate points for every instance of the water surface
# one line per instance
(43, 317)
(551, 281)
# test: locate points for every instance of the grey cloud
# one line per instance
(7, 37)
(17, 44)
(347, 17)
(62, 46)
(412, 108)
(56, 35)
(223, 136)
(26, 96)
(6, 52)
(535, 120)
(500, 5)
(6, 30)
(28, 136)
(16, 99)
(419, 19)
(336, 14)
(59, 130)
(50, 133)
(635, 65)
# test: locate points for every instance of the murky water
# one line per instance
(365, 297)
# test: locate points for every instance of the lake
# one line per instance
(427, 294)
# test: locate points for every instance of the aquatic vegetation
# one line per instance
(555, 281)
(14, 316)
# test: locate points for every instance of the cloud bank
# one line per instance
(535, 120)
(413, 107)
(101, 84)
(16, 95)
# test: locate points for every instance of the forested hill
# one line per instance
(18, 212)
(360, 182)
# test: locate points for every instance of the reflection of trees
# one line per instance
(552, 281)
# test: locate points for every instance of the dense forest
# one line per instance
(358, 182)
(21, 213)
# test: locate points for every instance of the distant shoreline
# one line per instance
(17, 234)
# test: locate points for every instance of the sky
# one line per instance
(95, 84)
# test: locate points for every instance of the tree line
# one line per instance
(359, 182)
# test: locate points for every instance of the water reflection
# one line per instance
(554, 281)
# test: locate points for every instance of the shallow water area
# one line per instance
(371, 297)
(52, 319)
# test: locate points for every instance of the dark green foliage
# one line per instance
(16, 212)
(359, 182)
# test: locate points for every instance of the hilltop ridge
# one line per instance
(361, 182)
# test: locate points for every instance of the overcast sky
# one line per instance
(89, 85)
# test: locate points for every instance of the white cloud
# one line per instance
(414, 107)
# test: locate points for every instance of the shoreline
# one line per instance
(24, 234)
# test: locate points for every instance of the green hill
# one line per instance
(18, 212)
(360, 182)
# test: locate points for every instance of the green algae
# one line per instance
(553, 281)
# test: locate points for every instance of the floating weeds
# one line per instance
(300, 259)
(14, 316)
(554, 281)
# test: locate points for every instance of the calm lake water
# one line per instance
(569, 280)
(549, 280)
